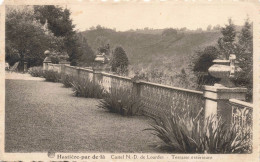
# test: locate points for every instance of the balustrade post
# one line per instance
(97, 76)
(217, 96)
(78, 72)
(136, 89)
(62, 68)
(25, 68)
(46, 61)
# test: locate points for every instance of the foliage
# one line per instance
(120, 101)
(169, 32)
(59, 22)
(67, 80)
(83, 87)
(245, 58)
(57, 19)
(226, 42)
(20, 24)
(230, 43)
(186, 134)
(164, 75)
(51, 76)
(201, 62)
(148, 51)
(36, 71)
(119, 61)
(87, 55)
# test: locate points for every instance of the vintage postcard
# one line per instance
(129, 80)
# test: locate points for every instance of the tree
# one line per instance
(169, 32)
(226, 43)
(209, 27)
(59, 22)
(119, 61)
(87, 54)
(26, 37)
(217, 27)
(204, 59)
(245, 58)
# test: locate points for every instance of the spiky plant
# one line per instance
(83, 87)
(51, 76)
(186, 134)
(36, 71)
(120, 101)
(67, 80)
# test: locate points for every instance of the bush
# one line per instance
(187, 135)
(120, 101)
(67, 80)
(36, 71)
(51, 76)
(83, 87)
(119, 62)
(201, 62)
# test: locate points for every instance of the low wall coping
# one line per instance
(172, 88)
(224, 89)
(239, 102)
(116, 76)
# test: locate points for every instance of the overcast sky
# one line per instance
(139, 15)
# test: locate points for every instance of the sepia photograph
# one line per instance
(129, 81)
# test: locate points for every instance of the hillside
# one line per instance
(154, 50)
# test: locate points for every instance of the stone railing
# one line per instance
(225, 102)
(242, 117)
(156, 99)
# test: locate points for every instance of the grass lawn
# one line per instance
(42, 116)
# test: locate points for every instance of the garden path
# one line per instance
(43, 116)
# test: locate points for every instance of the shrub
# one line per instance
(187, 135)
(51, 76)
(67, 80)
(120, 101)
(201, 62)
(119, 62)
(83, 87)
(36, 71)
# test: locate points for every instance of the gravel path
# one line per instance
(43, 116)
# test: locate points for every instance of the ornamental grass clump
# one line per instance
(67, 80)
(51, 76)
(83, 87)
(187, 134)
(120, 101)
(36, 71)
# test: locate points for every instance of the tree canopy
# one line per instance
(26, 37)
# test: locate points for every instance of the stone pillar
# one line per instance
(62, 68)
(217, 96)
(25, 68)
(97, 75)
(46, 61)
(217, 101)
(45, 64)
(78, 72)
(136, 89)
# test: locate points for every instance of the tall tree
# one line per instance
(26, 37)
(226, 42)
(87, 55)
(119, 61)
(59, 22)
(245, 58)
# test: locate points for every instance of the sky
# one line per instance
(125, 16)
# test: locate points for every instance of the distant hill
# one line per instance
(154, 49)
